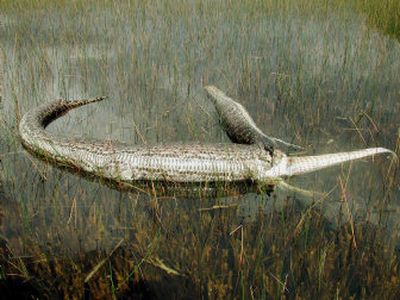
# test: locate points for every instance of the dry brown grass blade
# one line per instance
(156, 262)
(300, 224)
(217, 207)
(343, 188)
(102, 262)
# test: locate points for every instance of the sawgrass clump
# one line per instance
(314, 73)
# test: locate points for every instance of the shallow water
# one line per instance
(325, 82)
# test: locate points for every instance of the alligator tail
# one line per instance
(291, 166)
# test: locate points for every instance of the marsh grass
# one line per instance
(315, 73)
(383, 15)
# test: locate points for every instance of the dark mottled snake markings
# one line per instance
(167, 162)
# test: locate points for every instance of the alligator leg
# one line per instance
(239, 125)
(308, 193)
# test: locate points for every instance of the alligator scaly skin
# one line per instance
(165, 162)
(119, 162)
(241, 129)
(239, 125)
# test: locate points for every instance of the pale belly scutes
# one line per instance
(168, 162)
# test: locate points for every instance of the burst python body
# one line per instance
(167, 162)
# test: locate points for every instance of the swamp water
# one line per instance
(324, 81)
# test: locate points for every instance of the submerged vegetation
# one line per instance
(315, 73)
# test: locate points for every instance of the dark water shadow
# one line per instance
(167, 188)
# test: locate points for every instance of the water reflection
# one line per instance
(303, 79)
(71, 214)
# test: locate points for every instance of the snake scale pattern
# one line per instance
(167, 162)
